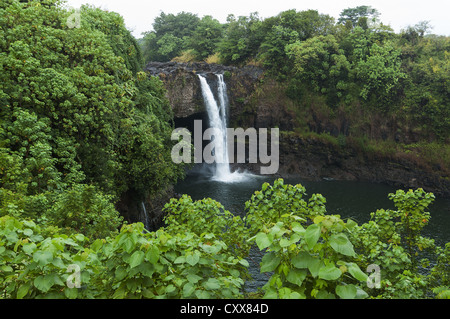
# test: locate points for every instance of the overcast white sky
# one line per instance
(140, 14)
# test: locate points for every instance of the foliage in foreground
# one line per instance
(201, 253)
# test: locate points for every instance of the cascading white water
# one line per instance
(145, 216)
(223, 98)
(217, 114)
(218, 122)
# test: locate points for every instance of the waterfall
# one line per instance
(144, 216)
(217, 115)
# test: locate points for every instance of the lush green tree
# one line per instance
(74, 110)
(321, 65)
(359, 16)
(241, 40)
(376, 68)
(273, 53)
(206, 37)
(180, 25)
(311, 23)
(380, 74)
(287, 28)
(307, 24)
(427, 61)
(170, 36)
(121, 40)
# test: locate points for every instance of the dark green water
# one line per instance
(354, 200)
(348, 199)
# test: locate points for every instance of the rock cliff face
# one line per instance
(184, 91)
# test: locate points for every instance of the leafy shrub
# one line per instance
(306, 261)
(182, 214)
(312, 255)
(83, 209)
(307, 253)
(162, 265)
(36, 267)
(273, 201)
(132, 264)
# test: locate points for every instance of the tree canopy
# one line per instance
(71, 96)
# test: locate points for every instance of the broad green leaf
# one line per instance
(71, 293)
(329, 272)
(318, 219)
(152, 254)
(80, 237)
(44, 283)
(298, 228)
(96, 245)
(356, 272)
(284, 242)
(270, 262)
(170, 288)
(305, 260)
(302, 260)
(351, 224)
(58, 263)
(361, 294)
(346, 291)
(211, 249)
(29, 248)
(28, 232)
(314, 266)
(263, 241)
(287, 293)
(212, 284)
(180, 260)
(120, 273)
(244, 262)
(147, 293)
(29, 223)
(136, 259)
(192, 259)
(12, 237)
(323, 294)
(188, 290)
(120, 293)
(341, 244)
(6, 268)
(271, 293)
(193, 278)
(203, 294)
(146, 269)
(312, 235)
(23, 290)
(43, 257)
(296, 276)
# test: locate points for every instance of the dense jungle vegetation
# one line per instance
(81, 124)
